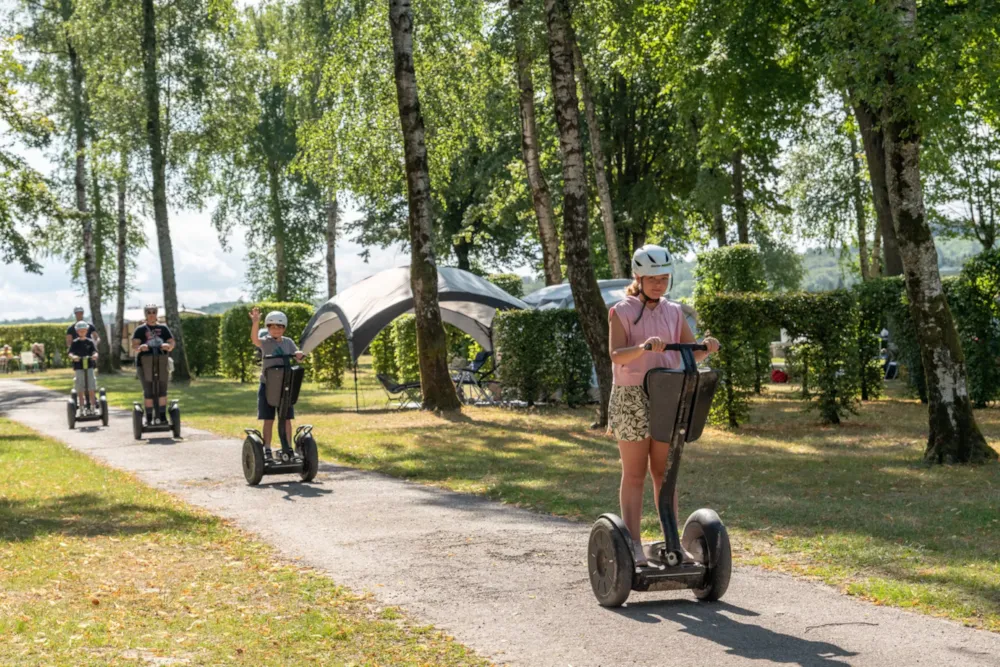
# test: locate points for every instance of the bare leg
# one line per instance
(659, 455)
(268, 430)
(635, 458)
(93, 399)
(288, 433)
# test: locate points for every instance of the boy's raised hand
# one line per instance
(255, 314)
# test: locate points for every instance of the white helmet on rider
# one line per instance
(276, 317)
(652, 260)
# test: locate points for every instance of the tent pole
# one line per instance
(356, 408)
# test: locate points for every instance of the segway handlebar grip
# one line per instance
(677, 347)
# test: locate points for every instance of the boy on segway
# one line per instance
(274, 342)
(82, 348)
(149, 335)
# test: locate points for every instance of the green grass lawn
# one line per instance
(99, 569)
(852, 504)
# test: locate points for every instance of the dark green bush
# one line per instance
(201, 343)
(508, 282)
(542, 353)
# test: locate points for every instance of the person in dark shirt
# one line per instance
(83, 354)
(91, 329)
(149, 335)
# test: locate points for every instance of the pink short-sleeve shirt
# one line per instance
(663, 321)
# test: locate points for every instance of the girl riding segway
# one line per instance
(644, 318)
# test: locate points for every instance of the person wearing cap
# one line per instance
(644, 317)
(91, 329)
(273, 342)
(152, 334)
(82, 348)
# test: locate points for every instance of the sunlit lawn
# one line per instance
(98, 569)
(852, 504)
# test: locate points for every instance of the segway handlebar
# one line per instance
(279, 356)
(677, 347)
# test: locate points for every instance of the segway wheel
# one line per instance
(705, 536)
(104, 410)
(137, 424)
(611, 565)
(71, 414)
(253, 461)
(175, 421)
(310, 459)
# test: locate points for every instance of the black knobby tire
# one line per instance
(104, 410)
(175, 421)
(704, 532)
(71, 414)
(610, 562)
(253, 461)
(137, 424)
(310, 459)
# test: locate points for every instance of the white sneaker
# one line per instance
(640, 556)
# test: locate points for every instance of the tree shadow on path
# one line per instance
(741, 639)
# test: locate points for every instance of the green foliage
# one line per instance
(877, 300)
(828, 321)
(383, 351)
(404, 335)
(541, 353)
(201, 340)
(508, 282)
(973, 300)
(21, 336)
(236, 352)
(329, 361)
(735, 268)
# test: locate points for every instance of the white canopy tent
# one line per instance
(364, 309)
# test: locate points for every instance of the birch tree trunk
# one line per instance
(332, 218)
(740, 199)
(122, 246)
(158, 164)
(541, 199)
(278, 225)
(859, 210)
(720, 225)
(873, 141)
(954, 436)
(583, 283)
(600, 175)
(435, 381)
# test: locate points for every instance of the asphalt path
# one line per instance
(509, 583)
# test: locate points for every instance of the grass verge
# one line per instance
(852, 505)
(99, 569)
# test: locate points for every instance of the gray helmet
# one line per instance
(276, 317)
(78, 309)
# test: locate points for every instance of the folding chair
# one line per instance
(475, 377)
(405, 393)
(29, 363)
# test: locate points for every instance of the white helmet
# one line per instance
(276, 317)
(652, 260)
(81, 325)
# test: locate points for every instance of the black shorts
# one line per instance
(268, 412)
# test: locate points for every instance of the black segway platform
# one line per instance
(679, 402)
(155, 369)
(281, 386)
(82, 411)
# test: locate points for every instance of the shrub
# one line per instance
(508, 282)
(404, 336)
(201, 343)
(20, 337)
(383, 351)
(542, 353)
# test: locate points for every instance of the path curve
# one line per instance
(507, 582)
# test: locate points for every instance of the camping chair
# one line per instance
(475, 378)
(29, 363)
(405, 393)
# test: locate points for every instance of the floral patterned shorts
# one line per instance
(628, 413)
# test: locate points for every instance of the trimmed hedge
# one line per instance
(21, 336)
(394, 349)
(542, 353)
(508, 282)
(236, 352)
(828, 320)
(201, 343)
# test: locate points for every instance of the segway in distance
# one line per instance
(679, 401)
(77, 411)
(281, 387)
(154, 367)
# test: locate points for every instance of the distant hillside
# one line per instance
(39, 320)
(216, 308)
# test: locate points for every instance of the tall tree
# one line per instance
(541, 199)
(158, 168)
(954, 435)
(435, 381)
(332, 219)
(874, 143)
(576, 236)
